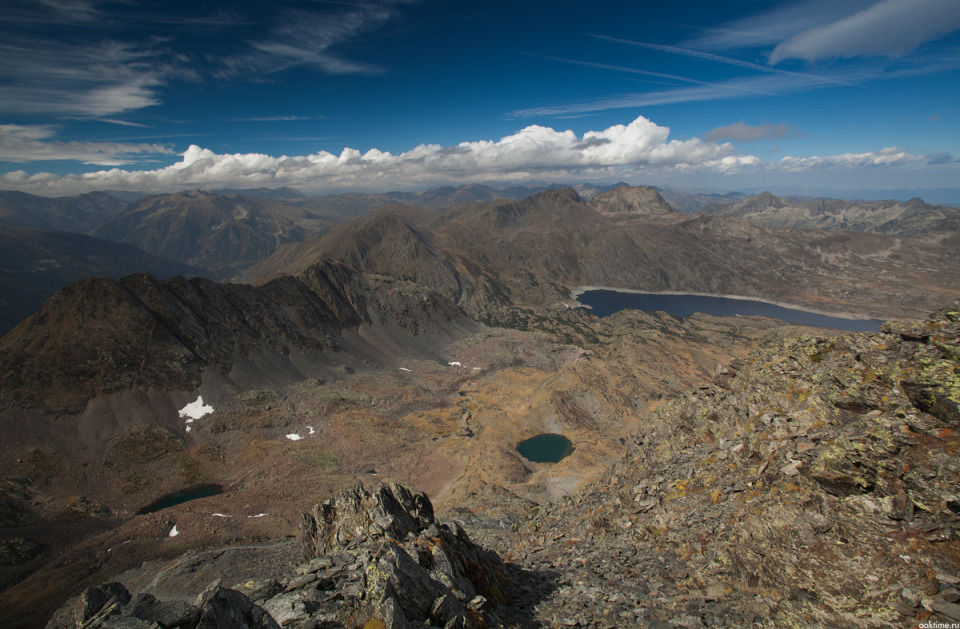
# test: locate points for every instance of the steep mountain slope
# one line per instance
(35, 263)
(894, 218)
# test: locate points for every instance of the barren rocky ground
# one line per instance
(448, 430)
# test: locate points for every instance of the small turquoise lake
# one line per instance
(605, 302)
(185, 495)
(545, 448)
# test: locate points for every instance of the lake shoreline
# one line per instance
(580, 290)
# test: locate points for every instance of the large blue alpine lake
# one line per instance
(604, 302)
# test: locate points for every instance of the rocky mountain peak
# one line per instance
(629, 200)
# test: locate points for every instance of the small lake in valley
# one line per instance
(185, 495)
(545, 448)
(605, 302)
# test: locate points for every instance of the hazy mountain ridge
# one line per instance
(220, 233)
(35, 263)
(227, 232)
(79, 213)
(894, 218)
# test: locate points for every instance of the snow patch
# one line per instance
(310, 428)
(455, 363)
(293, 437)
(221, 515)
(196, 410)
(173, 532)
(259, 515)
(404, 369)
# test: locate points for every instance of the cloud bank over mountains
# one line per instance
(640, 148)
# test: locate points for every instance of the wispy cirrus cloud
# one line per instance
(276, 118)
(34, 143)
(697, 54)
(653, 73)
(764, 85)
(62, 78)
(769, 28)
(309, 38)
(72, 58)
(889, 28)
(533, 153)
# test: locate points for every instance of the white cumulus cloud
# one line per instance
(636, 150)
(534, 151)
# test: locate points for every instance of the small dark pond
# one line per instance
(605, 302)
(545, 448)
(185, 495)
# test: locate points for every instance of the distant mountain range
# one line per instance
(894, 218)
(224, 235)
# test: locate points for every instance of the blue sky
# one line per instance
(333, 96)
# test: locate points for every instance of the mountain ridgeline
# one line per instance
(501, 263)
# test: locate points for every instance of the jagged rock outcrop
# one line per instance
(384, 550)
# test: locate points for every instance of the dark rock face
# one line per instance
(101, 336)
(110, 606)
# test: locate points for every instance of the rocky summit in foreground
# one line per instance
(373, 559)
(814, 484)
